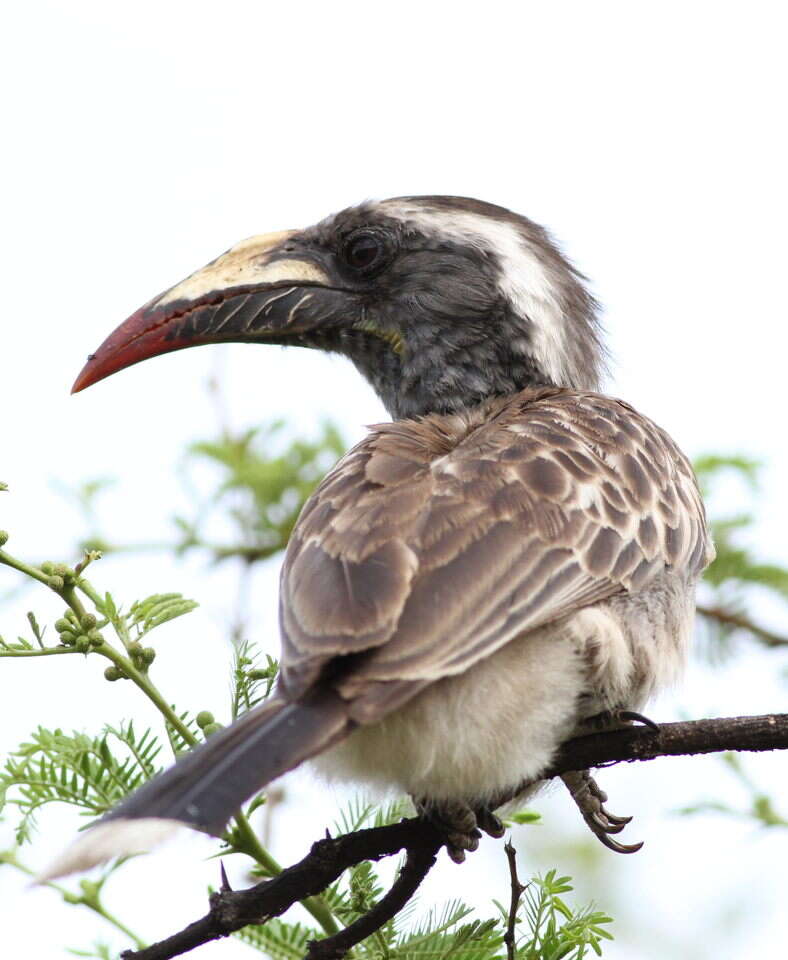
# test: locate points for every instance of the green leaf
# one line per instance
(157, 609)
(99, 951)
(710, 466)
(524, 816)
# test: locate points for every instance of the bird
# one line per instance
(508, 562)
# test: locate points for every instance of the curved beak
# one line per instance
(268, 288)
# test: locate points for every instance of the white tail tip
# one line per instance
(116, 838)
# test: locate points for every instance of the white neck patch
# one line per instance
(525, 280)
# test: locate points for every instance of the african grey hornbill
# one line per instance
(514, 555)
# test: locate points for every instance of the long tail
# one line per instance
(207, 785)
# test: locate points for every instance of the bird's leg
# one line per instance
(461, 824)
(590, 799)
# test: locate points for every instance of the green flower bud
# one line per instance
(135, 648)
(68, 614)
(57, 583)
(62, 624)
(47, 567)
(112, 673)
(211, 728)
(259, 674)
(62, 570)
(83, 644)
(89, 888)
(68, 638)
(96, 638)
(205, 717)
(3, 538)
(88, 622)
(148, 656)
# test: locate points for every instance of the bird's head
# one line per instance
(441, 302)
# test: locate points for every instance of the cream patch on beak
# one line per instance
(248, 262)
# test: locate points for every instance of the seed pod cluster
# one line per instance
(142, 657)
(82, 634)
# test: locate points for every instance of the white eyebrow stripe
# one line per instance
(525, 280)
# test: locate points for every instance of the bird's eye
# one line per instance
(365, 252)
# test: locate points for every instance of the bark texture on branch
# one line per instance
(231, 910)
(767, 732)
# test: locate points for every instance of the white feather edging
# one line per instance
(117, 838)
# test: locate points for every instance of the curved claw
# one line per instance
(619, 847)
(612, 719)
(455, 853)
(614, 819)
(488, 822)
(603, 823)
(632, 717)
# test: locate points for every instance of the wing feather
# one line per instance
(435, 542)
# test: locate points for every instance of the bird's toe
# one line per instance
(590, 800)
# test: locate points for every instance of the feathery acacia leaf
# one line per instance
(146, 615)
(250, 681)
(76, 769)
(555, 930)
(277, 939)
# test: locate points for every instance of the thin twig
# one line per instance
(740, 622)
(517, 891)
(231, 910)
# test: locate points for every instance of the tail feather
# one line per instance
(206, 786)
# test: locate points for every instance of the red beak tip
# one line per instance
(85, 378)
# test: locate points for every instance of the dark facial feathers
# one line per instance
(479, 300)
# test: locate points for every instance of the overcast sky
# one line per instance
(143, 139)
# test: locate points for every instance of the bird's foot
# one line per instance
(590, 799)
(461, 824)
(617, 717)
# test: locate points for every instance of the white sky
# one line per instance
(142, 140)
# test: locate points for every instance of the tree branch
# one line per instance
(420, 860)
(326, 861)
(231, 910)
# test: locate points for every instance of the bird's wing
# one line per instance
(434, 542)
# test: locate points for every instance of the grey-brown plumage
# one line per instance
(512, 556)
(434, 542)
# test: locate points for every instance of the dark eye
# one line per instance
(365, 252)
